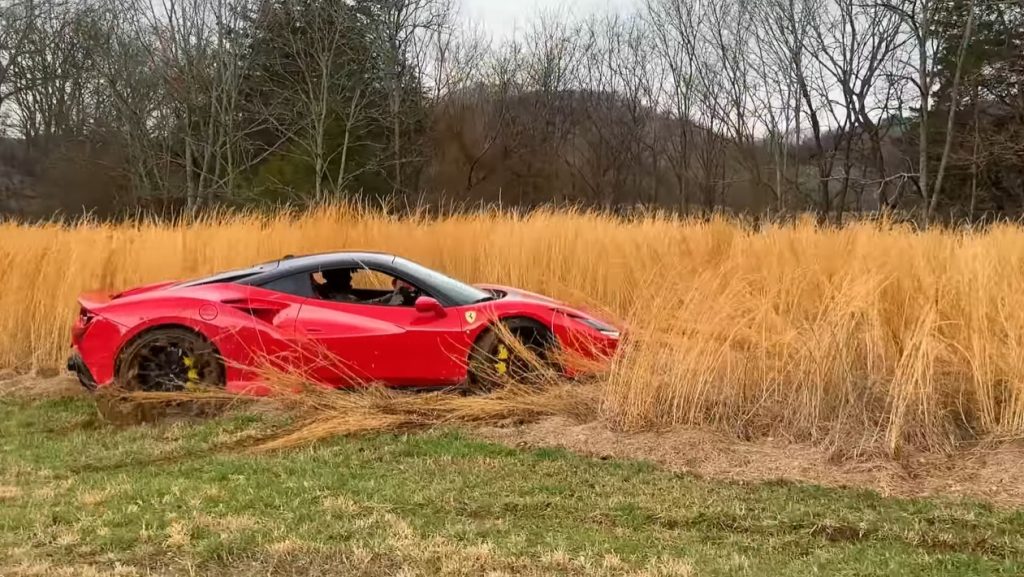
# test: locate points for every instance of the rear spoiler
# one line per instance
(143, 289)
(94, 299)
(91, 301)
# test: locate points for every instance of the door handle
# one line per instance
(314, 330)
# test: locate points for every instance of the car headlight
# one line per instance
(600, 327)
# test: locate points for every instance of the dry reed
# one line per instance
(870, 333)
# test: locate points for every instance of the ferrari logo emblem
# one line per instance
(470, 317)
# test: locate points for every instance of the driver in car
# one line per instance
(337, 286)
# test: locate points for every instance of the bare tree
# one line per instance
(489, 110)
(19, 26)
(917, 19)
(797, 21)
(675, 25)
(402, 33)
(852, 47)
(749, 104)
(309, 85)
(131, 101)
(187, 56)
(552, 80)
(778, 99)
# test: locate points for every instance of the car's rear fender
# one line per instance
(245, 345)
(97, 344)
(244, 340)
(103, 339)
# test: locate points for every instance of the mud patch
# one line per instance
(124, 411)
(987, 474)
(39, 386)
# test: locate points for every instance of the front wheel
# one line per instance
(517, 351)
(169, 360)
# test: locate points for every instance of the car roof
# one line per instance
(330, 259)
(431, 281)
(293, 264)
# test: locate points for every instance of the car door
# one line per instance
(350, 343)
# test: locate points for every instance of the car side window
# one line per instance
(364, 286)
(369, 279)
(297, 284)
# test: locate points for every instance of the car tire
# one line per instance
(169, 359)
(520, 351)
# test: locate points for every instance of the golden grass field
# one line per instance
(869, 335)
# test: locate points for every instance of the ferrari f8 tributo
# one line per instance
(337, 319)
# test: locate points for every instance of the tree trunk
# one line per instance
(953, 104)
(922, 147)
(396, 136)
(974, 155)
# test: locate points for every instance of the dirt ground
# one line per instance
(44, 385)
(989, 474)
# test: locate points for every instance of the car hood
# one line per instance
(520, 294)
(517, 294)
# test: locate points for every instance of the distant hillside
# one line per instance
(581, 147)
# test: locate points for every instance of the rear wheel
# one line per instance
(519, 351)
(168, 360)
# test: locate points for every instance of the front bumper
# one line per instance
(585, 352)
(77, 366)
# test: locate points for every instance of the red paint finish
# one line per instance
(259, 332)
(94, 346)
(377, 343)
(208, 312)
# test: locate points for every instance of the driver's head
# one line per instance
(338, 279)
(401, 285)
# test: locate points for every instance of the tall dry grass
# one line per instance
(868, 333)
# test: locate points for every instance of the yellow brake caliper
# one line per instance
(193, 374)
(501, 366)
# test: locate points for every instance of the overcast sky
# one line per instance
(500, 17)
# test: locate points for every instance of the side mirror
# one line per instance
(428, 305)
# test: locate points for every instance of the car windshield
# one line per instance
(463, 293)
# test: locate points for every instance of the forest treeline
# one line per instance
(781, 106)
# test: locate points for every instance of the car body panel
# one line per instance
(378, 343)
(261, 332)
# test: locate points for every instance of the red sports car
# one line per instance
(338, 319)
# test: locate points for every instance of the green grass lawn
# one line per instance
(83, 497)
